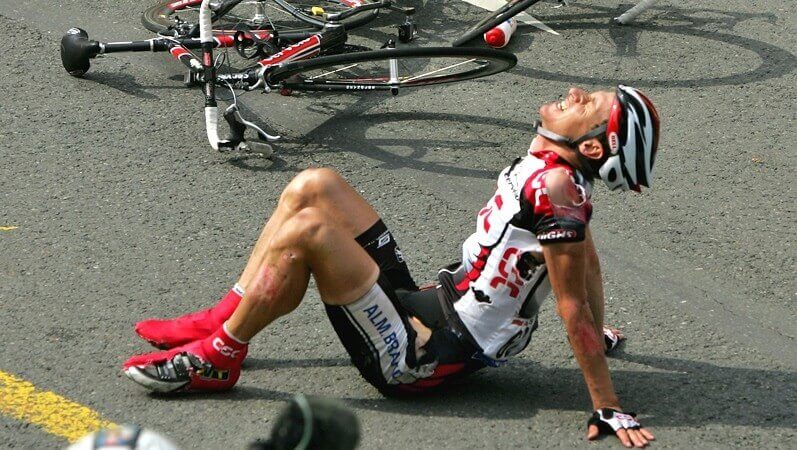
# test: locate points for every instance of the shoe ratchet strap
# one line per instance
(610, 420)
(611, 339)
(179, 367)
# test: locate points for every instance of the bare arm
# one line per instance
(594, 284)
(567, 269)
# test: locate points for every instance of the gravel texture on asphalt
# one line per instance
(124, 212)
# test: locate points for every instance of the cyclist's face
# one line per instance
(577, 112)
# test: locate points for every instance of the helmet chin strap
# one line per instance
(589, 167)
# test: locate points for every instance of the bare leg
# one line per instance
(312, 230)
(320, 188)
(309, 242)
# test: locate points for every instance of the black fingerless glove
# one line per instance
(610, 420)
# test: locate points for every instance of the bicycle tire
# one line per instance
(293, 75)
(159, 17)
(495, 18)
(348, 23)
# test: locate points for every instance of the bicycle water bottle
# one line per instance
(499, 36)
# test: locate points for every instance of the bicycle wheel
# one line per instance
(371, 70)
(280, 15)
(303, 10)
(503, 13)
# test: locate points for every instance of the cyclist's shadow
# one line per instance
(676, 393)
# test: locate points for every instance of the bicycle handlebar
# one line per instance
(211, 109)
(632, 13)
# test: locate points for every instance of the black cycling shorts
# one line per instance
(376, 333)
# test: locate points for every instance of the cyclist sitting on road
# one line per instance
(532, 235)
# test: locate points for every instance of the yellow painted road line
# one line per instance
(8, 228)
(56, 415)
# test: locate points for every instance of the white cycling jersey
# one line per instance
(506, 279)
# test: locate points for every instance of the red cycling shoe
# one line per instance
(211, 364)
(171, 333)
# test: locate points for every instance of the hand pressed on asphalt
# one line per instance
(629, 438)
(612, 339)
(616, 332)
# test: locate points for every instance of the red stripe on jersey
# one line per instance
(542, 206)
(476, 271)
(441, 372)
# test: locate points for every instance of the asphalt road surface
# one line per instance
(123, 212)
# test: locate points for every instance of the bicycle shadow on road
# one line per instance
(689, 27)
(127, 84)
(396, 140)
(443, 22)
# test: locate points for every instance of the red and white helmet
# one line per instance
(633, 136)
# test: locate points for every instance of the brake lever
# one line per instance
(237, 139)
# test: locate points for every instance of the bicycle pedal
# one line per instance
(407, 32)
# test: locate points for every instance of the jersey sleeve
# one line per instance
(561, 207)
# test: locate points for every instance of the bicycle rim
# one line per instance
(255, 14)
(303, 10)
(495, 18)
(370, 71)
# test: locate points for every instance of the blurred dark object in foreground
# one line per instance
(333, 426)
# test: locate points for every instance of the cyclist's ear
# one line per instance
(592, 149)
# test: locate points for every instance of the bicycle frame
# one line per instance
(632, 13)
(307, 45)
(515, 7)
(306, 48)
(278, 69)
(77, 50)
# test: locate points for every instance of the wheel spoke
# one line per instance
(333, 71)
(442, 69)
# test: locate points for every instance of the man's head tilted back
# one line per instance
(611, 135)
